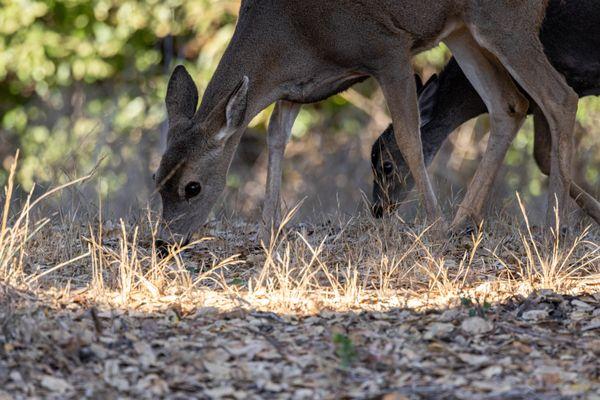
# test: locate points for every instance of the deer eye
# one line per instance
(192, 190)
(388, 168)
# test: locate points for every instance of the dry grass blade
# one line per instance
(365, 298)
(15, 236)
(559, 267)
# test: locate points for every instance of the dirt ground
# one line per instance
(543, 347)
(476, 326)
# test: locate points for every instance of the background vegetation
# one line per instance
(87, 309)
(83, 81)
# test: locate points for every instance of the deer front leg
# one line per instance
(398, 85)
(507, 109)
(280, 130)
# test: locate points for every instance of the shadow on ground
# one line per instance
(545, 346)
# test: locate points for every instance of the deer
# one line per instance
(293, 52)
(571, 38)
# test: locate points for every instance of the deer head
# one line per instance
(193, 170)
(258, 68)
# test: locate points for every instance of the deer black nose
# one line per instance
(162, 248)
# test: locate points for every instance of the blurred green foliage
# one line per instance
(84, 80)
(81, 80)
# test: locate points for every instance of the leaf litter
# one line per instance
(312, 317)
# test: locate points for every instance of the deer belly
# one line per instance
(315, 89)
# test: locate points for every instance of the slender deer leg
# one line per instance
(280, 130)
(507, 109)
(586, 201)
(558, 102)
(400, 93)
(542, 153)
(542, 141)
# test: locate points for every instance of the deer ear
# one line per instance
(428, 99)
(434, 80)
(236, 107)
(235, 112)
(182, 96)
(419, 83)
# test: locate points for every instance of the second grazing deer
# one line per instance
(296, 52)
(571, 38)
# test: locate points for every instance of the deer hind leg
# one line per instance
(542, 153)
(280, 131)
(397, 81)
(522, 54)
(507, 109)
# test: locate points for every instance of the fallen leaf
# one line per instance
(476, 326)
(219, 392)
(438, 329)
(535, 315)
(146, 355)
(594, 324)
(581, 305)
(54, 384)
(492, 371)
(474, 359)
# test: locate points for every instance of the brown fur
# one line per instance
(305, 51)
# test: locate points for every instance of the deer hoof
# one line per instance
(564, 233)
(439, 230)
(463, 228)
(263, 236)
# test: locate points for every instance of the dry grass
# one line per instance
(339, 264)
(76, 298)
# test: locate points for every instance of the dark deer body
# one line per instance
(571, 38)
(293, 52)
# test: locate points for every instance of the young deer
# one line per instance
(306, 51)
(571, 37)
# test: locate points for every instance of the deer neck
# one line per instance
(235, 64)
(456, 102)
